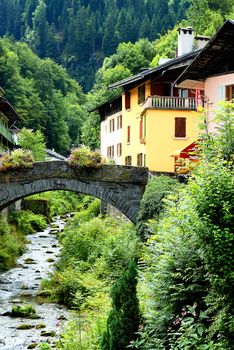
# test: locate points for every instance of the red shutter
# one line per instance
(141, 129)
(180, 127)
(127, 100)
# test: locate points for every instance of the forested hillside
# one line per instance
(99, 42)
(79, 33)
(43, 94)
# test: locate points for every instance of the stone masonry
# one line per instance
(120, 186)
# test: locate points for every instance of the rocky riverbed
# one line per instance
(20, 287)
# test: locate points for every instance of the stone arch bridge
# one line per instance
(120, 186)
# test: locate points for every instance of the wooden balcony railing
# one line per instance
(4, 132)
(165, 102)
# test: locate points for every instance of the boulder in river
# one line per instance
(48, 333)
(40, 326)
(32, 346)
(29, 261)
(25, 326)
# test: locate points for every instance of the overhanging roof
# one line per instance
(107, 103)
(157, 71)
(7, 109)
(217, 57)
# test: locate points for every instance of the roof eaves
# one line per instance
(205, 48)
(148, 72)
(103, 104)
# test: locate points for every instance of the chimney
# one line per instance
(201, 41)
(185, 40)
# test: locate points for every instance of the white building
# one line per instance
(111, 130)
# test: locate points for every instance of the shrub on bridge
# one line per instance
(17, 159)
(84, 157)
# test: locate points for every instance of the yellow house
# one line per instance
(158, 119)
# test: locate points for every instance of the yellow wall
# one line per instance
(160, 140)
(160, 128)
(132, 118)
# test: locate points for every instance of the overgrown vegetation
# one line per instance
(56, 202)
(95, 253)
(17, 159)
(152, 203)
(11, 244)
(28, 222)
(84, 157)
(35, 142)
(14, 228)
(124, 317)
(187, 282)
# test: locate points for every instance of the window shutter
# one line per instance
(220, 93)
(141, 129)
(141, 94)
(129, 134)
(127, 100)
(180, 127)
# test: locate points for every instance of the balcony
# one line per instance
(168, 102)
(5, 133)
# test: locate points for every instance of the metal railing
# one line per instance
(168, 102)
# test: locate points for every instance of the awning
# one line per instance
(185, 152)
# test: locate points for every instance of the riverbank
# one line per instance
(20, 287)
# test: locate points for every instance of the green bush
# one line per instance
(17, 159)
(59, 202)
(84, 157)
(152, 202)
(124, 318)
(29, 222)
(26, 311)
(11, 244)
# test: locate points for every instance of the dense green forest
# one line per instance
(79, 33)
(43, 92)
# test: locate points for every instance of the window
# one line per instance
(128, 160)
(119, 122)
(229, 92)
(128, 134)
(112, 125)
(127, 100)
(141, 94)
(180, 127)
(110, 152)
(139, 159)
(119, 149)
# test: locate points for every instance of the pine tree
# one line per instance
(123, 321)
(40, 26)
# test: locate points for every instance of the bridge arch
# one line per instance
(119, 186)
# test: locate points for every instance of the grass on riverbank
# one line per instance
(11, 244)
(95, 253)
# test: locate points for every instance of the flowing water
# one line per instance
(20, 286)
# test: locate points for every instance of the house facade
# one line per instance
(160, 107)
(8, 118)
(111, 130)
(157, 118)
(213, 72)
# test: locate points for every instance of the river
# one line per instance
(20, 286)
